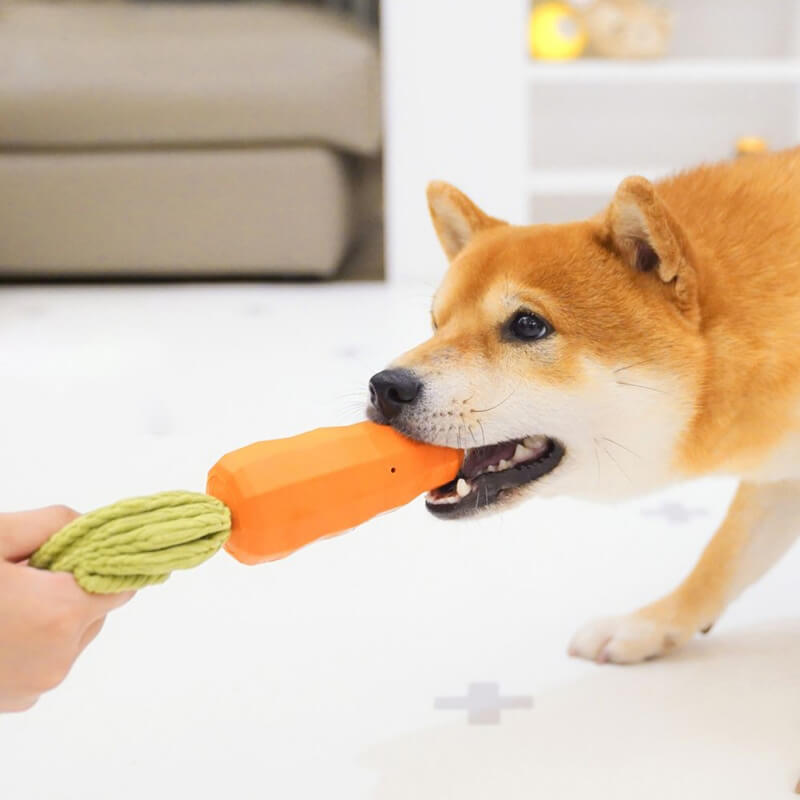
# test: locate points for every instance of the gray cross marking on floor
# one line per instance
(483, 702)
(675, 513)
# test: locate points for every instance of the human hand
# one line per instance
(46, 619)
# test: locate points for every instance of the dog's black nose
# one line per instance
(393, 389)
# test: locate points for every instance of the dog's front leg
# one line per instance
(762, 522)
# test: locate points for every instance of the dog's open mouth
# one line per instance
(489, 471)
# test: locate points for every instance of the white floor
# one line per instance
(319, 675)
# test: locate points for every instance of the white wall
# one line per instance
(454, 110)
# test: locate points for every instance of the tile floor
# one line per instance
(333, 673)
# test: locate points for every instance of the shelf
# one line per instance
(586, 181)
(587, 70)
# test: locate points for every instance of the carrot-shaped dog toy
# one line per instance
(286, 493)
(263, 502)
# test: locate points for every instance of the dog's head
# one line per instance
(564, 358)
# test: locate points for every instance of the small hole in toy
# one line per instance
(394, 469)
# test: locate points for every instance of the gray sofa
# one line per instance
(183, 139)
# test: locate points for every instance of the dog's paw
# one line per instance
(627, 640)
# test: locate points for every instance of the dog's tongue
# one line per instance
(478, 459)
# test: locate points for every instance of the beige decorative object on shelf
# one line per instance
(626, 29)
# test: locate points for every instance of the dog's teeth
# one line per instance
(504, 465)
(491, 468)
(522, 453)
(463, 488)
(442, 501)
(535, 443)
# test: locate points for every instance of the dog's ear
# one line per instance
(456, 218)
(640, 227)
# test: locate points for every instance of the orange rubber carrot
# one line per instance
(286, 493)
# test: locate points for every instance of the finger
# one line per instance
(64, 590)
(22, 532)
(90, 633)
(98, 605)
(60, 588)
(15, 704)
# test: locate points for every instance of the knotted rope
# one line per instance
(137, 542)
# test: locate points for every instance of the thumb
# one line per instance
(22, 532)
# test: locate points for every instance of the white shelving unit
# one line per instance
(548, 142)
(690, 70)
(553, 181)
(733, 71)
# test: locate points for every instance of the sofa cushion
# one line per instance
(140, 73)
(240, 211)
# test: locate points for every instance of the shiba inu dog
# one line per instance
(655, 342)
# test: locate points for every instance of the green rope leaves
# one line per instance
(137, 542)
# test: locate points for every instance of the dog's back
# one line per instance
(742, 219)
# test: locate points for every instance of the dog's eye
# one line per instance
(529, 326)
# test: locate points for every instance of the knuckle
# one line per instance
(63, 514)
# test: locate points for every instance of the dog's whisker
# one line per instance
(632, 452)
(619, 467)
(483, 432)
(597, 459)
(359, 403)
(635, 364)
(492, 408)
(352, 401)
(349, 411)
(642, 386)
(360, 397)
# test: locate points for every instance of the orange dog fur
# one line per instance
(673, 352)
